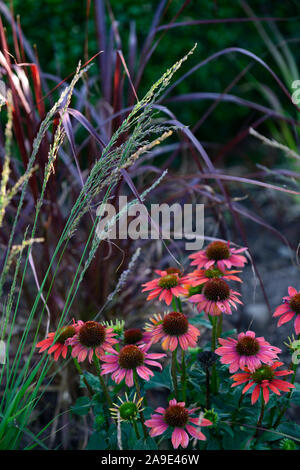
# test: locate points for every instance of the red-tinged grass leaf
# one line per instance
(147, 53)
(256, 19)
(38, 89)
(131, 185)
(120, 53)
(101, 39)
(132, 48)
(117, 92)
(159, 12)
(247, 181)
(85, 123)
(69, 133)
(231, 99)
(226, 51)
(70, 75)
(15, 37)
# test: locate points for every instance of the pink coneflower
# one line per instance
(221, 254)
(216, 298)
(289, 309)
(91, 337)
(201, 276)
(59, 347)
(177, 417)
(264, 378)
(246, 351)
(130, 358)
(173, 329)
(136, 336)
(169, 284)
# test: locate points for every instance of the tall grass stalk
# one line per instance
(22, 374)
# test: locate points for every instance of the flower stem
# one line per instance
(136, 429)
(80, 371)
(183, 375)
(261, 416)
(214, 376)
(207, 388)
(178, 301)
(138, 392)
(237, 409)
(219, 327)
(282, 412)
(174, 304)
(102, 383)
(173, 373)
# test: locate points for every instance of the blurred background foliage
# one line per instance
(59, 31)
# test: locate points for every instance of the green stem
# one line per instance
(138, 392)
(173, 373)
(282, 412)
(102, 383)
(183, 375)
(207, 389)
(179, 306)
(214, 333)
(136, 429)
(238, 407)
(80, 371)
(174, 304)
(214, 376)
(261, 416)
(219, 327)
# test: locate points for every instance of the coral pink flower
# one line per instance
(289, 309)
(91, 337)
(221, 254)
(173, 329)
(59, 346)
(166, 286)
(178, 418)
(246, 351)
(216, 298)
(201, 276)
(264, 378)
(136, 336)
(130, 358)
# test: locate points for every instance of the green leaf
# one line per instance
(146, 444)
(159, 380)
(81, 407)
(290, 430)
(92, 380)
(97, 441)
(295, 398)
(200, 320)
